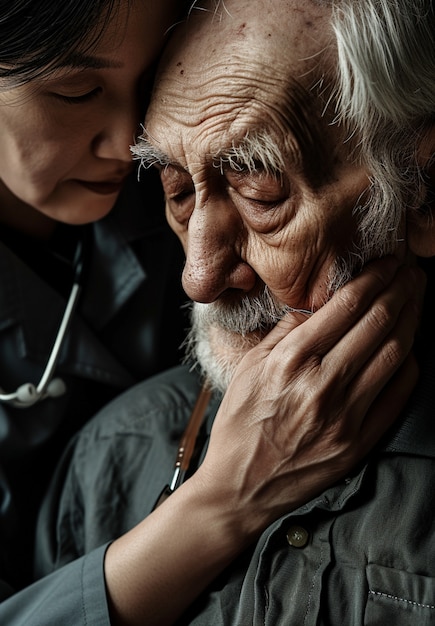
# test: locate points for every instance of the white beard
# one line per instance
(222, 333)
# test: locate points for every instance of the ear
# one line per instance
(421, 221)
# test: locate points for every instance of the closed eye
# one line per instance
(177, 183)
(260, 187)
(82, 98)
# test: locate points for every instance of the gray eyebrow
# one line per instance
(257, 150)
(148, 154)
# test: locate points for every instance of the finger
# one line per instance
(323, 328)
(388, 405)
(384, 364)
(283, 328)
(364, 339)
(331, 323)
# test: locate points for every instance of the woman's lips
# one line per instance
(103, 188)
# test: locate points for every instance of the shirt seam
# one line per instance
(399, 599)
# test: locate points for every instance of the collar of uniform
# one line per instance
(10, 269)
(30, 315)
(115, 273)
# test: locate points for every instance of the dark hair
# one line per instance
(36, 34)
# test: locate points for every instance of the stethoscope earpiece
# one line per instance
(26, 394)
(56, 388)
(29, 394)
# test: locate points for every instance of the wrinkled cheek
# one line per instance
(302, 283)
(285, 270)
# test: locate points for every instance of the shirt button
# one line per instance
(297, 536)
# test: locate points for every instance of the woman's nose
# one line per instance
(118, 133)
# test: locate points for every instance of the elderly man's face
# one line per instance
(259, 184)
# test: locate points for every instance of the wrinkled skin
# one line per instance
(240, 228)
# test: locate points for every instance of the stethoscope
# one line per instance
(28, 394)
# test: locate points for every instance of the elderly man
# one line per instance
(295, 142)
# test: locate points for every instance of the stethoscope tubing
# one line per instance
(39, 393)
(55, 351)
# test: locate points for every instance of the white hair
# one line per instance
(386, 53)
(386, 95)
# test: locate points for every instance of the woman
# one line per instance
(73, 77)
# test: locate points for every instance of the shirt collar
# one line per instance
(10, 268)
(114, 274)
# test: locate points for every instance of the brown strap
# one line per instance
(187, 442)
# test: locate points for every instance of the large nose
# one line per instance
(118, 130)
(213, 244)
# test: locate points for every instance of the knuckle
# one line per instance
(348, 299)
(379, 317)
(394, 352)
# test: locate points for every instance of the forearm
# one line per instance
(154, 572)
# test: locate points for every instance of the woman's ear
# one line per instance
(421, 221)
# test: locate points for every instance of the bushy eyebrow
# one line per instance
(148, 154)
(256, 151)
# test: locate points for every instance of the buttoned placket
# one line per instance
(284, 580)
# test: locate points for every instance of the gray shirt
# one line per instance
(363, 552)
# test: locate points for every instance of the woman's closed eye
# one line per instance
(79, 98)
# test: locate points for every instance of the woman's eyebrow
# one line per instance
(80, 60)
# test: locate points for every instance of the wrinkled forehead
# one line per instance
(246, 58)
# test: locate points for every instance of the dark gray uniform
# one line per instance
(128, 325)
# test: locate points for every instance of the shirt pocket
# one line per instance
(398, 597)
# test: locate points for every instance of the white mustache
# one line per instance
(260, 313)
